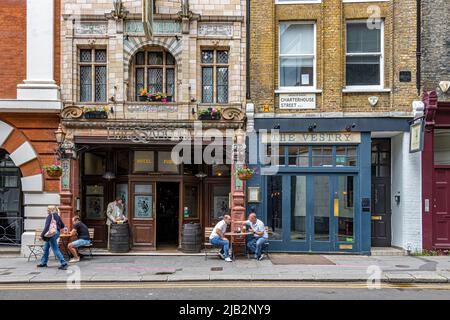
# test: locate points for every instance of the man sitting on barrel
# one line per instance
(114, 214)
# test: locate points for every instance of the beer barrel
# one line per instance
(120, 238)
(191, 238)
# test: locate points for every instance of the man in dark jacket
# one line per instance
(52, 242)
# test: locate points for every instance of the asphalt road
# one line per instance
(224, 291)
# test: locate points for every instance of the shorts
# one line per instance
(80, 243)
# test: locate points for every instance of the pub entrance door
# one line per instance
(167, 214)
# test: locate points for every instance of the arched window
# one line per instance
(11, 215)
(154, 69)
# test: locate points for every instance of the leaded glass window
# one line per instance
(155, 71)
(93, 75)
(214, 76)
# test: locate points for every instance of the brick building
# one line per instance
(120, 144)
(435, 80)
(29, 116)
(337, 79)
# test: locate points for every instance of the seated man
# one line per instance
(82, 233)
(217, 237)
(259, 237)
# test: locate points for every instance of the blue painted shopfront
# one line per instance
(319, 198)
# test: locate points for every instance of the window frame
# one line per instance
(93, 64)
(146, 66)
(215, 66)
(299, 88)
(297, 1)
(380, 86)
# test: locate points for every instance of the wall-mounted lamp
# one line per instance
(349, 127)
(312, 127)
(444, 85)
(397, 198)
(277, 126)
(177, 37)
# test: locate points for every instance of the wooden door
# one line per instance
(381, 193)
(143, 215)
(441, 208)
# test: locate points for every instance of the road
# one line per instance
(224, 290)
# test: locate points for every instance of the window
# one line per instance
(214, 76)
(155, 70)
(93, 75)
(364, 56)
(297, 55)
(442, 147)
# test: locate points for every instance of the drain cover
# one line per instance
(216, 269)
(401, 266)
(5, 273)
(34, 273)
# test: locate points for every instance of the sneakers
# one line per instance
(64, 267)
(41, 265)
(221, 256)
(260, 257)
(74, 260)
(228, 259)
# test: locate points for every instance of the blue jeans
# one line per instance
(53, 243)
(255, 245)
(217, 241)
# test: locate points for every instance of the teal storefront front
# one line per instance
(316, 198)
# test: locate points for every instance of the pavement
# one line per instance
(346, 268)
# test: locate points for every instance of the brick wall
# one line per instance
(330, 17)
(12, 46)
(435, 45)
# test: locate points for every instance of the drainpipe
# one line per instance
(418, 46)
(247, 52)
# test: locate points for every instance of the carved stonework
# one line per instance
(71, 112)
(232, 113)
(215, 29)
(136, 27)
(91, 28)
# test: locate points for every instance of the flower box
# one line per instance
(142, 98)
(210, 114)
(96, 115)
(53, 171)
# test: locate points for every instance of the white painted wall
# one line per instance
(407, 180)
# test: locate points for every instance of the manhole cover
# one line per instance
(401, 266)
(216, 269)
(34, 273)
(164, 272)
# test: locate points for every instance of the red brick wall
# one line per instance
(39, 130)
(12, 46)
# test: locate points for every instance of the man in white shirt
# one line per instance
(259, 237)
(217, 238)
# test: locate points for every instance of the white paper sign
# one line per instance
(305, 79)
(297, 101)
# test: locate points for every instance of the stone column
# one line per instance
(40, 83)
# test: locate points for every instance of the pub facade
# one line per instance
(332, 86)
(141, 78)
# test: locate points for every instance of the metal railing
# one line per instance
(11, 229)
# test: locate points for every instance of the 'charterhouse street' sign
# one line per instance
(297, 101)
(312, 137)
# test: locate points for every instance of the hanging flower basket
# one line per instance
(53, 171)
(245, 173)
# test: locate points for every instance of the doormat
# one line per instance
(299, 259)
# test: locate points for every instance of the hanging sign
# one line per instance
(416, 137)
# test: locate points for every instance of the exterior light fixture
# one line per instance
(349, 127)
(201, 175)
(109, 175)
(444, 85)
(60, 134)
(312, 127)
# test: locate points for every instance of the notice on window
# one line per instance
(305, 79)
(297, 101)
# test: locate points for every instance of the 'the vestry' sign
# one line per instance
(312, 137)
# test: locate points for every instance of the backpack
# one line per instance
(52, 229)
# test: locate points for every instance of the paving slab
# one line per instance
(428, 277)
(121, 278)
(399, 277)
(188, 277)
(16, 279)
(230, 277)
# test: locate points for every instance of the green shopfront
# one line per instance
(312, 194)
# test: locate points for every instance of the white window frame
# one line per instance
(298, 1)
(380, 86)
(300, 88)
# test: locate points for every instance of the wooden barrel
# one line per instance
(120, 238)
(191, 238)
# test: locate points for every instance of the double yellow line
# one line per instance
(202, 285)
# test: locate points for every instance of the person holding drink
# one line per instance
(114, 214)
(259, 235)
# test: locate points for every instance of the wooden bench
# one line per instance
(89, 246)
(208, 246)
(37, 248)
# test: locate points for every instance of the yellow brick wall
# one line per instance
(330, 17)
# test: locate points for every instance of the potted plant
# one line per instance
(95, 112)
(210, 114)
(143, 95)
(158, 96)
(245, 173)
(53, 171)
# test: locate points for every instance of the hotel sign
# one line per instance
(297, 101)
(312, 137)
